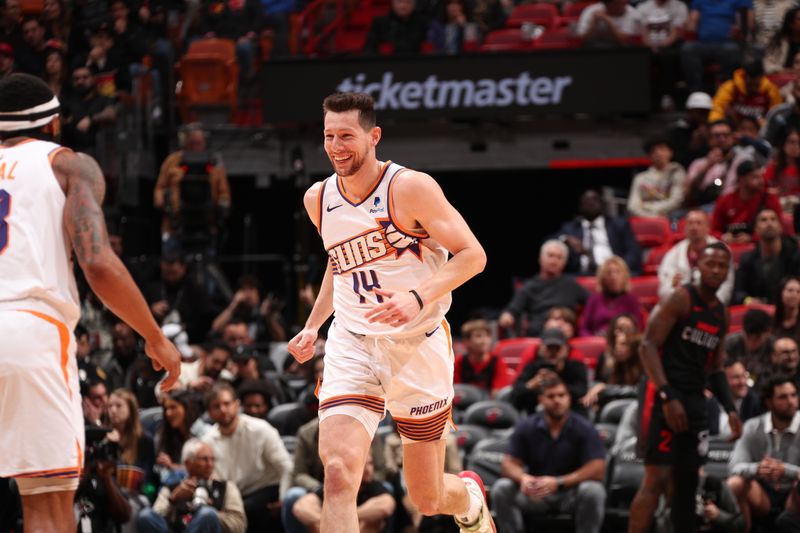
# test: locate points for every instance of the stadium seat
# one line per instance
(491, 414)
(612, 412)
(290, 443)
(504, 394)
(288, 417)
(591, 348)
(607, 433)
(646, 289)
(737, 312)
(513, 350)
(587, 282)
(349, 41)
(466, 395)
(541, 14)
(151, 419)
(738, 250)
(222, 47)
(207, 79)
(653, 258)
(651, 232)
(506, 39)
(557, 38)
(625, 475)
(787, 219)
(486, 460)
(719, 452)
(468, 435)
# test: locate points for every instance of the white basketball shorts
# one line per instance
(40, 404)
(412, 377)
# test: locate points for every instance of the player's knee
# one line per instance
(737, 484)
(339, 477)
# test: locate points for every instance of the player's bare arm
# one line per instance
(302, 345)
(109, 279)
(661, 322)
(420, 203)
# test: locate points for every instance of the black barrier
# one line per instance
(470, 86)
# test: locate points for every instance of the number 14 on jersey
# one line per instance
(366, 281)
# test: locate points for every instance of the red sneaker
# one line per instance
(484, 523)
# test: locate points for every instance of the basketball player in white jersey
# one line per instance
(50, 200)
(388, 231)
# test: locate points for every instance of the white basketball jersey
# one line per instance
(35, 261)
(367, 249)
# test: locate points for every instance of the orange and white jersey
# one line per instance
(368, 249)
(35, 259)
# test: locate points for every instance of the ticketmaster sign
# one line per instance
(485, 85)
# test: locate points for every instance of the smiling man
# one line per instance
(388, 231)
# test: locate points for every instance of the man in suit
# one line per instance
(593, 237)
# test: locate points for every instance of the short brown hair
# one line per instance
(472, 326)
(344, 102)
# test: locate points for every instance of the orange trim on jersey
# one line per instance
(319, 206)
(316, 389)
(425, 429)
(63, 336)
(55, 151)
(446, 328)
(26, 141)
(67, 473)
(80, 454)
(371, 403)
(372, 189)
(397, 225)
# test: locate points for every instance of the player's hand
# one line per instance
(164, 354)
(676, 416)
(302, 345)
(397, 309)
(736, 426)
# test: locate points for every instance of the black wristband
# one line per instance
(667, 393)
(419, 300)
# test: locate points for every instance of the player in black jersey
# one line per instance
(682, 355)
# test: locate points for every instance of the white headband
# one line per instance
(33, 117)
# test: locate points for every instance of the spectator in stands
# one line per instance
(136, 447)
(548, 289)
(551, 360)
(401, 32)
(95, 403)
(308, 472)
(659, 190)
(108, 62)
(263, 316)
(219, 509)
(786, 321)
(375, 505)
(256, 395)
(593, 237)
(783, 45)
(86, 112)
(764, 461)
(689, 136)
(55, 72)
(612, 298)
(127, 347)
(167, 193)
(241, 22)
(181, 422)
(30, 55)
(760, 271)
(662, 23)
(748, 93)
(608, 23)
(753, 345)
(56, 20)
(200, 375)
(479, 366)
(714, 24)
(782, 175)
(745, 397)
(735, 213)
(264, 477)
(6, 60)
(618, 371)
(715, 173)
(491, 15)
(129, 37)
(783, 116)
(555, 462)
(11, 23)
(784, 360)
(679, 265)
(562, 318)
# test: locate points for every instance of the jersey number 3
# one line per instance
(5, 211)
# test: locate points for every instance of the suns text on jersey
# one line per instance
(359, 250)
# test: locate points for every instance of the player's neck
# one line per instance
(360, 184)
(707, 294)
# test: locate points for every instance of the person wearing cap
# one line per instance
(551, 359)
(733, 219)
(689, 135)
(748, 93)
(659, 190)
(6, 60)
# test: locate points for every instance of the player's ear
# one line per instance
(375, 135)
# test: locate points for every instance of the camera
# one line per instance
(98, 447)
(201, 495)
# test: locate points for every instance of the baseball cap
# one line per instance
(553, 337)
(6, 50)
(698, 100)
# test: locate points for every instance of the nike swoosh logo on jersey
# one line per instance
(329, 208)
(432, 332)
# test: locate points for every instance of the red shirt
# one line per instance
(787, 183)
(734, 215)
(481, 375)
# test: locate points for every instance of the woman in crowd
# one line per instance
(55, 72)
(136, 446)
(782, 47)
(181, 422)
(56, 21)
(563, 318)
(619, 369)
(613, 298)
(781, 174)
(786, 322)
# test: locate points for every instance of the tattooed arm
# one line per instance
(107, 276)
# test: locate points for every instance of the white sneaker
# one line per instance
(484, 523)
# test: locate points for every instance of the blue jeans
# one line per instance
(695, 53)
(205, 521)
(290, 522)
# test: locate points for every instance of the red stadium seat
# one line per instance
(506, 39)
(542, 14)
(590, 347)
(514, 350)
(651, 231)
(737, 313)
(787, 219)
(557, 38)
(573, 11)
(646, 289)
(207, 79)
(738, 250)
(587, 282)
(654, 257)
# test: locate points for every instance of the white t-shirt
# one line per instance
(659, 18)
(627, 23)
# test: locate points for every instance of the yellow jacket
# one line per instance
(733, 101)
